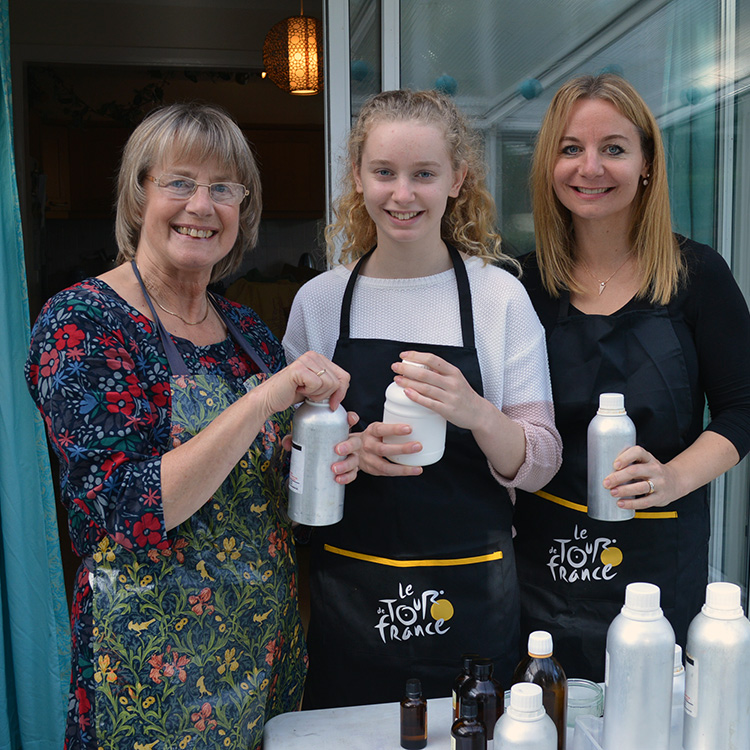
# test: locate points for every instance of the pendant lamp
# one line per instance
(293, 54)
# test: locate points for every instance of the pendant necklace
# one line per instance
(601, 283)
(177, 315)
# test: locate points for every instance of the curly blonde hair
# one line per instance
(469, 219)
(656, 250)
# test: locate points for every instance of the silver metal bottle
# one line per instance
(639, 674)
(717, 673)
(525, 725)
(315, 498)
(609, 433)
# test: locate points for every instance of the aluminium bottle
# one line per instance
(525, 725)
(487, 692)
(639, 669)
(427, 426)
(609, 433)
(413, 717)
(315, 497)
(467, 732)
(541, 668)
(678, 701)
(463, 676)
(717, 673)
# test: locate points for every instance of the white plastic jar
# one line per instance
(427, 426)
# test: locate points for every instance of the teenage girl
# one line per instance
(421, 568)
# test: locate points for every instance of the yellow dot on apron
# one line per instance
(442, 609)
(611, 556)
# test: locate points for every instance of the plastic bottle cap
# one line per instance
(612, 403)
(540, 644)
(481, 669)
(678, 665)
(642, 601)
(467, 660)
(413, 688)
(526, 697)
(723, 600)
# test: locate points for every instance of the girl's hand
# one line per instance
(442, 388)
(374, 455)
(345, 471)
(643, 480)
(311, 376)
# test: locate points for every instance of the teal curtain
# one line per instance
(34, 661)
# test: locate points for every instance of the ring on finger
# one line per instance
(651, 487)
(321, 372)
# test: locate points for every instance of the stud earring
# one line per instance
(645, 180)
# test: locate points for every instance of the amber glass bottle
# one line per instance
(463, 676)
(488, 694)
(541, 668)
(413, 717)
(467, 732)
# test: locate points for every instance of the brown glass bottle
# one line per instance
(541, 668)
(467, 732)
(413, 717)
(488, 694)
(463, 676)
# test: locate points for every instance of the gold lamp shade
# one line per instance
(293, 55)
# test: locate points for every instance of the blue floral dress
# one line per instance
(187, 638)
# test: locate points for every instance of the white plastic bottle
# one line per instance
(678, 701)
(525, 724)
(717, 673)
(609, 433)
(427, 426)
(639, 674)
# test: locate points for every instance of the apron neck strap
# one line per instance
(176, 361)
(464, 297)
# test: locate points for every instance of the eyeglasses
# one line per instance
(225, 193)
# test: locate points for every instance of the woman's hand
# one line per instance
(311, 376)
(442, 388)
(641, 481)
(709, 456)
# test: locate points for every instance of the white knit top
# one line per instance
(509, 340)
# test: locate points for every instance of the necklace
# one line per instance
(601, 283)
(177, 315)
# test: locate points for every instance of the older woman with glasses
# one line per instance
(167, 406)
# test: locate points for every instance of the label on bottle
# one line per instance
(297, 469)
(691, 685)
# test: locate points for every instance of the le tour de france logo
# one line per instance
(580, 557)
(413, 614)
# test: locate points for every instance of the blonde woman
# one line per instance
(628, 307)
(421, 568)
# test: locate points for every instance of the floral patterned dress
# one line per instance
(183, 639)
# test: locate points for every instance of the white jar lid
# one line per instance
(723, 600)
(612, 402)
(642, 601)
(540, 644)
(526, 697)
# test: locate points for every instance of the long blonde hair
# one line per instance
(469, 219)
(656, 250)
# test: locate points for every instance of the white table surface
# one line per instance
(374, 727)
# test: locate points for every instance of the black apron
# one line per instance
(573, 569)
(420, 569)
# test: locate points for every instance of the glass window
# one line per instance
(689, 59)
